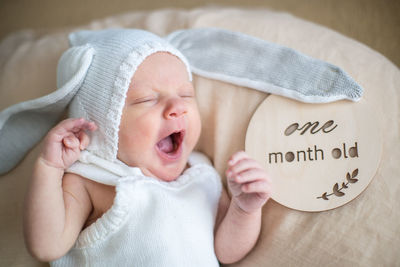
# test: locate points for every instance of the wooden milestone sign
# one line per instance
(319, 156)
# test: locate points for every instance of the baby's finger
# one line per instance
(91, 126)
(237, 157)
(83, 125)
(261, 187)
(71, 142)
(67, 125)
(251, 175)
(73, 125)
(244, 164)
(84, 140)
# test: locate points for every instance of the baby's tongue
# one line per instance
(166, 145)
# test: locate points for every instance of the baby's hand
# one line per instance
(63, 143)
(248, 182)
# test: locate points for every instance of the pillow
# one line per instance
(364, 232)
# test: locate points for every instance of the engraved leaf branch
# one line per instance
(338, 191)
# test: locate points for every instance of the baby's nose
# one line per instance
(175, 108)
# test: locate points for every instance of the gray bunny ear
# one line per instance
(24, 124)
(248, 61)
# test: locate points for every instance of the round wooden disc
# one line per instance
(319, 156)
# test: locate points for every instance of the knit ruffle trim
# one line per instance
(118, 214)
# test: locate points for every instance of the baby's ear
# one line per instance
(24, 124)
(251, 62)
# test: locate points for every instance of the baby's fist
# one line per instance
(248, 182)
(64, 142)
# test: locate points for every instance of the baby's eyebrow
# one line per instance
(141, 94)
(143, 90)
(139, 89)
(134, 94)
(187, 84)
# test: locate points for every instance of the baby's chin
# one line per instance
(166, 174)
(160, 171)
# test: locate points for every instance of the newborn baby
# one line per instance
(156, 203)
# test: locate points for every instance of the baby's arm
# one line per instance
(57, 205)
(239, 219)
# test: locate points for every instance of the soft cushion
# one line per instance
(364, 232)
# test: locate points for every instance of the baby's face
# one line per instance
(160, 123)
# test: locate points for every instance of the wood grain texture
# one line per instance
(314, 152)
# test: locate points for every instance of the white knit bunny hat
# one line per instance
(117, 55)
(93, 77)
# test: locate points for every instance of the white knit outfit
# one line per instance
(151, 223)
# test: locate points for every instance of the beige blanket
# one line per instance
(365, 232)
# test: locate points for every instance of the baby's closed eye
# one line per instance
(187, 95)
(187, 92)
(145, 100)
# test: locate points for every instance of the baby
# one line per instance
(156, 203)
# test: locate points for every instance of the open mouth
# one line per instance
(170, 146)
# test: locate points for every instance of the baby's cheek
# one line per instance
(131, 135)
(195, 126)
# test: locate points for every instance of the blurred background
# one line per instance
(375, 23)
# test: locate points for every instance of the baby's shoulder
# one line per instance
(201, 167)
(99, 197)
(101, 194)
(197, 157)
(74, 184)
